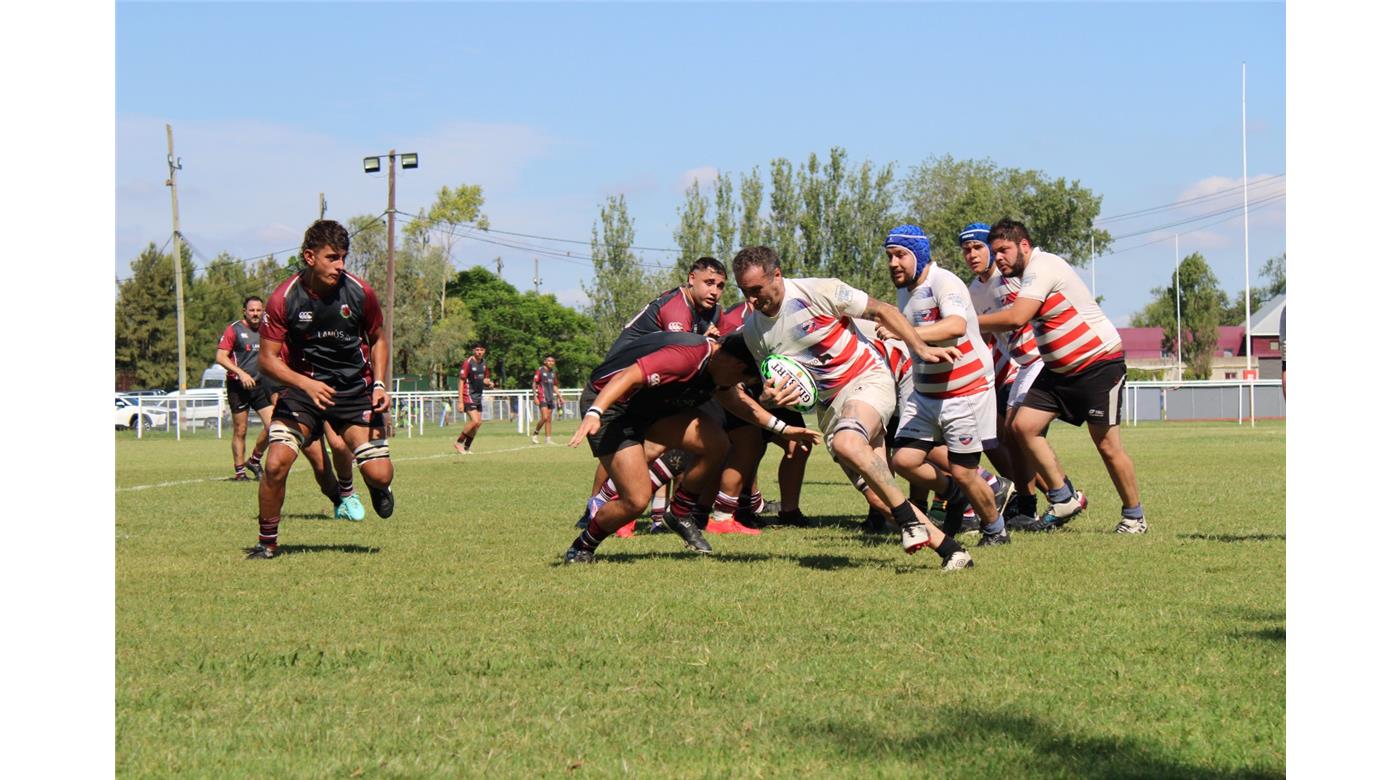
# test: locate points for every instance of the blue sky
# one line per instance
(553, 107)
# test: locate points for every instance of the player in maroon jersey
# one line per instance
(546, 386)
(238, 354)
(476, 379)
(334, 372)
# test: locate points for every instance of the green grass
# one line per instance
(448, 641)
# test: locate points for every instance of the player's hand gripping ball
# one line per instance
(780, 368)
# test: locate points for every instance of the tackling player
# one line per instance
(475, 379)
(646, 397)
(1084, 376)
(809, 320)
(334, 372)
(245, 386)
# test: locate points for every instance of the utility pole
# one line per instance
(1093, 266)
(499, 268)
(1248, 314)
(174, 165)
(389, 283)
(1177, 239)
(537, 276)
(323, 206)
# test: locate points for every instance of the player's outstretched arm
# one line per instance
(748, 410)
(620, 386)
(1011, 318)
(892, 320)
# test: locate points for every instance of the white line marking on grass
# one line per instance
(298, 467)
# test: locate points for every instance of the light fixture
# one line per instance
(371, 165)
(410, 160)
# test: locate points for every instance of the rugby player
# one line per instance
(1018, 363)
(1083, 377)
(809, 320)
(334, 372)
(475, 379)
(646, 397)
(244, 386)
(952, 403)
(547, 398)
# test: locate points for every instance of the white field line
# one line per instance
(299, 467)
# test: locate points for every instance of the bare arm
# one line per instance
(748, 410)
(630, 379)
(1011, 318)
(892, 320)
(272, 366)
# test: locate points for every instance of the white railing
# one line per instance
(1206, 399)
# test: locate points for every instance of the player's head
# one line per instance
(324, 248)
(760, 278)
(549, 361)
(975, 252)
(252, 309)
(908, 251)
(706, 280)
(478, 350)
(732, 362)
(1010, 243)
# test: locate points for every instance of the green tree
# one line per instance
(1275, 283)
(1202, 303)
(417, 270)
(695, 235)
(942, 194)
(726, 228)
(785, 213)
(147, 348)
(453, 209)
(752, 229)
(621, 286)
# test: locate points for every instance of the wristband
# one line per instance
(776, 426)
(380, 385)
(594, 410)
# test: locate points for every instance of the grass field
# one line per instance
(448, 640)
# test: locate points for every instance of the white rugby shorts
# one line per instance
(1022, 383)
(874, 388)
(963, 423)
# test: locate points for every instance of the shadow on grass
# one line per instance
(975, 732)
(1232, 538)
(298, 549)
(819, 562)
(1274, 634)
(305, 516)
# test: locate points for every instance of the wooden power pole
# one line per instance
(389, 283)
(174, 165)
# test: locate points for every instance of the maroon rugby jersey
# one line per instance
(326, 337)
(241, 342)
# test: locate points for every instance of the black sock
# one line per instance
(904, 514)
(948, 547)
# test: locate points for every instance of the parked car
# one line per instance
(203, 406)
(127, 414)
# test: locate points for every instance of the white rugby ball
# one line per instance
(780, 367)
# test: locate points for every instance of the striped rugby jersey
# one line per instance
(1013, 348)
(896, 356)
(814, 327)
(1070, 328)
(942, 294)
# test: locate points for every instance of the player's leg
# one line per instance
(272, 489)
(339, 464)
(254, 462)
(746, 447)
(1029, 428)
(240, 432)
(320, 469)
(792, 470)
(370, 449)
(547, 414)
(703, 437)
(626, 466)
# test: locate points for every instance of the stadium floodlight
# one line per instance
(410, 160)
(371, 165)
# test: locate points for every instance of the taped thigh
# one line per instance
(374, 449)
(281, 433)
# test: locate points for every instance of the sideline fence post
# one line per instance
(140, 415)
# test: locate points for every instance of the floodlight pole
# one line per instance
(389, 283)
(174, 165)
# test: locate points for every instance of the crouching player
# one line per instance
(334, 373)
(643, 399)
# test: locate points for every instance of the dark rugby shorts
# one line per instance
(1094, 395)
(472, 403)
(352, 407)
(241, 399)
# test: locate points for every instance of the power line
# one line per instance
(1197, 229)
(1185, 202)
(1260, 202)
(671, 250)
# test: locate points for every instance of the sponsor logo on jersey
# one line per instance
(345, 310)
(675, 327)
(304, 316)
(923, 292)
(654, 379)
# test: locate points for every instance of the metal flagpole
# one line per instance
(1248, 313)
(1178, 308)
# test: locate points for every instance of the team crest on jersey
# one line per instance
(654, 379)
(964, 440)
(345, 310)
(365, 415)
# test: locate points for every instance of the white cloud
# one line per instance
(705, 176)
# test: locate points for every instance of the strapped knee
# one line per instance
(851, 424)
(281, 433)
(374, 449)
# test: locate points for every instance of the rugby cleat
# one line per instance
(259, 552)
(240, 478)
(1131, 526)
(382, 499)
(692, 536)
(954, 511)
(1060, 513)
(794, 518)
(534, 438)
(590, 508)
(1002, 496)
(914, 537)
(350, 508)
(730, 526)
(958, 560)
(578, 555)
(990, 540)
(460, 447)
(875, 523)
(254, 469)
(1020, 511)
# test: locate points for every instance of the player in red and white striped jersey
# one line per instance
(1018, 364)
(809, 320)
(952, 404)
(1084, 376)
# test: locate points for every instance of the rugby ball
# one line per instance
(780, 367)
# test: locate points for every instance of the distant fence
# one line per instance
(1204, 400)
(414, 411)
